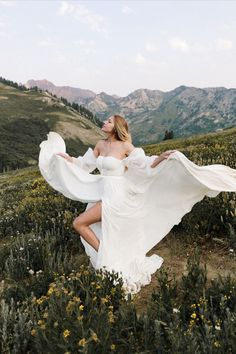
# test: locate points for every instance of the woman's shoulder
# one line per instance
(129, 147)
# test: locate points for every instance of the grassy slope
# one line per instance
(25, 119)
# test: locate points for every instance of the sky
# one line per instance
(119, 46)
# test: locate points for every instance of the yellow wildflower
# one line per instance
(50, 291)
(76, 298)
(94, 337)
(81, 307)
(66, 333)
(104, 300)
(113, 347)
(45, 315)
(111, 317)
(113, 290)
(82, 342)
(34, 300)
(33, 332)
(217, 344)
(193, 315)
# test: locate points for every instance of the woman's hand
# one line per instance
(66, 156)
(162, 157)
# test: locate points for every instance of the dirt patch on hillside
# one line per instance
(218, 260)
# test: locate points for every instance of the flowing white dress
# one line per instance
(140, 204)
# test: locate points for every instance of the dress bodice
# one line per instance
(110, 166)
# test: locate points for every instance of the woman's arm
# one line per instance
(162, 157)
(74, 159)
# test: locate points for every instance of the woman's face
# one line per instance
(108, 125)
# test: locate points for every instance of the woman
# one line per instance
(134, 202)
(118, 145)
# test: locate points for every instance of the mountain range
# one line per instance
(184, 110)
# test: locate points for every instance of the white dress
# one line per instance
(140, 204)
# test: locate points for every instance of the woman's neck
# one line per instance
(111, 138)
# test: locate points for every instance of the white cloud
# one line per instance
(47, 43)
(59, 59)
(127, 10)
(83, 14)
(2, 24)
(7, 2)
(41, 27)
(87, 47)
(179, 43)
(151, 48)
(3, 34)
(139, 59)
(224, 44)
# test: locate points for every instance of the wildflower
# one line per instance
(76, 299)
(50, 291)
(82, 342)
(45, 315)
(81, 307)
(66, 333)
(175, 310)
(104, 300)
(113, 290)
(113, 347)
(31, 271)
(33, 332)
(94, 337)
(218, 328)
(217, 344)
(111, 317)
(98, 286)
(34, 300)
(55, 324)
(193, 315)
(79, 318)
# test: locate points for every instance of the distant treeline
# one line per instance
(82, 110)
(13, 84)
(168, 135)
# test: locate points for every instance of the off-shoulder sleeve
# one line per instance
(139, 163)
(87, 162)
(139, 171)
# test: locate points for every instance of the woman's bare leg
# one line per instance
(82, 222)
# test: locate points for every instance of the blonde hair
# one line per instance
(121, 128)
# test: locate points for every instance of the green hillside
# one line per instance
(26, 116)
(52, 301)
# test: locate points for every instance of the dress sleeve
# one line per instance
(87, 162)
(139, 171)
(139, 163)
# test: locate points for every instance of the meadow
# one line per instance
(51, 301)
